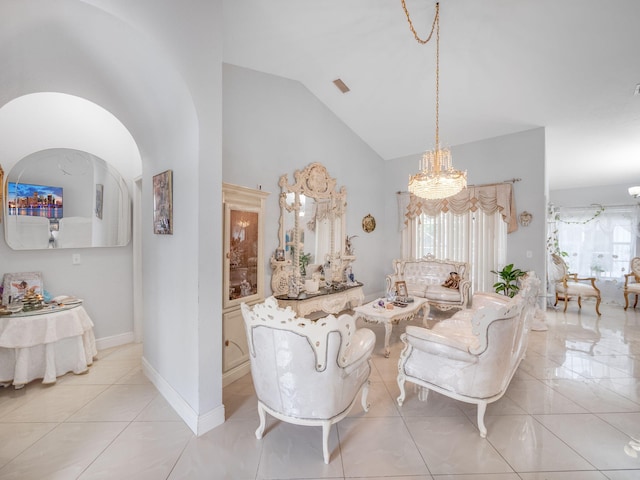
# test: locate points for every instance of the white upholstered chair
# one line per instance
(28, 232)
(306, 372)
(472, 355)
(75, 232)
(568, 285)
(632, 283)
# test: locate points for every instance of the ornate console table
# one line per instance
(326, 300)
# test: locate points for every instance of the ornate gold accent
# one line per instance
(368, 223)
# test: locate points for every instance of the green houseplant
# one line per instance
(509, 280)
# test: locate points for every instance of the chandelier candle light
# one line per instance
(437, 178)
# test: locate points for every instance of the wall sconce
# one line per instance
(634, 191)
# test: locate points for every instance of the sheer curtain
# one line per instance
(471, 227)
(599, 241)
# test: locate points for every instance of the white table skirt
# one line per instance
(45, 345)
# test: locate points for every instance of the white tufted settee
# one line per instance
(306, 372)
(424, 278)
(473, 355)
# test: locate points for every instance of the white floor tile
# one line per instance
(452, 445)
(378, 446)
(143, 451)
(64, 453)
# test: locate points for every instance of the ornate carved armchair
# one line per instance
(473, 355)
(568, 285)
(306, 372)
(632, 282)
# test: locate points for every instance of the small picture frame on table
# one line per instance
(401, 289)
(16, 285)
(279, 254)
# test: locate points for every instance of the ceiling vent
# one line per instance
(341, 85)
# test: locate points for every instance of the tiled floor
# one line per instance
(571, 412)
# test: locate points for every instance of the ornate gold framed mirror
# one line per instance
(311, 232)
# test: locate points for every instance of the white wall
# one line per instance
(274, 126)
(602, 194)
(519, 155)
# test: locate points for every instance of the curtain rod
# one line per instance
(511, 180)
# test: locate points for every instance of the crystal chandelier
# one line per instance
(437, 178)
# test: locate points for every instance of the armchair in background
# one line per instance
(306, 372)
(568, 285)
(632, 283)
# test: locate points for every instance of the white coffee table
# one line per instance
(371, 312)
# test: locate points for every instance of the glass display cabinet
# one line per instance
(243, 275)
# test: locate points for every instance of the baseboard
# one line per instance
(199, 424)
(114, 341)
(235, 373)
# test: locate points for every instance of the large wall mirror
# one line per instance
(65, 198)
(311, 231)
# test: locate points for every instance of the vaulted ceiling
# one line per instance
(570, 66)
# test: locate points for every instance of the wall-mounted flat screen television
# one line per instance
(35, 200)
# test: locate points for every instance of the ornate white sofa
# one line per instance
(424, 278)
(473, 355)
(306, 372)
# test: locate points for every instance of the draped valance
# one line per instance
(488, 198)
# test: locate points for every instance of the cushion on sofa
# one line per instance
(440, 293)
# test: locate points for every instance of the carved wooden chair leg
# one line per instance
(626, 300)
(326, 428)
(636, 302)
(403, 394)
(261, 414)
(482, 408)
(556, 300)
(579, 302)
(566, 302)
(365, 392)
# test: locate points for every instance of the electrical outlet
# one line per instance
(529, 254)
(75, 259)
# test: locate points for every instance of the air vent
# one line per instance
(341, 85)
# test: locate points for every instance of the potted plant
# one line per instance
(509, 284)
(305, 258)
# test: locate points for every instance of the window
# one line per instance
(600, 242)
(477, 238)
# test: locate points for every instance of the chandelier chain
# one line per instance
(437, 24)
(413, 30)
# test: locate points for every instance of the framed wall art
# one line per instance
(99, 195)
(163, 203)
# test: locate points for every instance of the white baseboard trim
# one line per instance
(235, 373)
(114, 341)
(199, 424)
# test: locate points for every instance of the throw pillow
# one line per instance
(453, 281)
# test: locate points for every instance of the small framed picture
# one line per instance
(99, 196)
(163, 203)
(16, 285)
(401, 289)
(279, 254)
